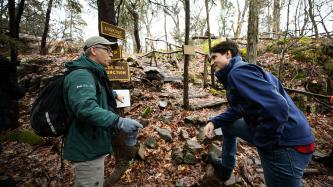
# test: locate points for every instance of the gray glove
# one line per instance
(128, 125)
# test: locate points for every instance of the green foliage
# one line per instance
(146, 112)
(300, 75)
(224, 93)
(329, 67)
(243, 52)
(213, 91)
(269, 47)
(23, 136)
(205, 46)
(310, 55)
(305, 41)
(282, 41)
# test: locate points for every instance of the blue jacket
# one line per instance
(260, 99)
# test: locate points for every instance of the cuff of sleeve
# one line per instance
(115, 95)
(211, 119)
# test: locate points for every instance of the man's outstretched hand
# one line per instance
(208, 130)
(128, 125)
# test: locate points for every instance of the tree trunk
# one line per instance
(240, 20)
(107, 13)
(187, 57)
(284, 49)
(43, 48)
(276, 18)
(209, 44)
(14, 29)
(136, 31)
(312, 18)
(165, 26)
(14, 25)
(252, 31)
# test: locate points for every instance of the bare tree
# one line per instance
(276, 18)
(43, 48)
(312, 17)
(209, 44)
(252, 31)
(187, 57)
(133, 8)
(15, 15)
(240, 18)
(174, 12)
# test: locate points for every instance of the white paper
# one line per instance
(127, 99)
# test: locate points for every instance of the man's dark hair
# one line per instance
(226, 46)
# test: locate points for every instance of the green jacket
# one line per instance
(89, 135)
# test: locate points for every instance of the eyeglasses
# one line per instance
(107, 49)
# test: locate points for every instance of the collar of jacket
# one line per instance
(86, 62)
(222, 74)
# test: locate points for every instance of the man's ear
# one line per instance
(229, 54)
(93, 51)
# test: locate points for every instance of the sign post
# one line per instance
(118, 70)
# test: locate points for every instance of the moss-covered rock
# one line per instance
(23, 136)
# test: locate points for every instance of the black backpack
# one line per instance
(48, 117)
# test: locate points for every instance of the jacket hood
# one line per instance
(222, 74)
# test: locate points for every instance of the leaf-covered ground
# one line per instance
(39, 165)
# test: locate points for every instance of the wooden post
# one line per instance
(212, 70)
(187, 57)
(205, 73)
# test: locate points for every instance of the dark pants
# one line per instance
(282, 166)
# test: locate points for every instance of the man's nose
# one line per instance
(111, 54)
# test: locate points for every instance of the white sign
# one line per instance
(127, 99)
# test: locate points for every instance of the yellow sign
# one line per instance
(113, 31)
(117, 53)
(118, 71)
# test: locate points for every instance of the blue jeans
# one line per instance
(282, 166)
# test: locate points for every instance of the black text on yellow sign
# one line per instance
(118, 71)
(117, 53)
(113, 31)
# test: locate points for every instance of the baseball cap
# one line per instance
(95, 40)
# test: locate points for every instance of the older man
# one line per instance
(90, 104)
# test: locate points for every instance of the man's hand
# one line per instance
(120, 98)
(208, 130)
(128, 125)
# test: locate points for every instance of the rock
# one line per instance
(186, 181)
(196, 120)
(163, 103)
(217, 134)
(210, 178)
(201, 135)
(215, 149)
(317, 155)
(153, 73)
(151, 142)
(189, 158)
(184, 134)
(177, 155)
(164, 134)
(144, 122)
(142, 150)
(193, 146)
(167, 118)
(34, 83)
(136, 94)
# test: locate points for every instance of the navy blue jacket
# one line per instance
(260, 99)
